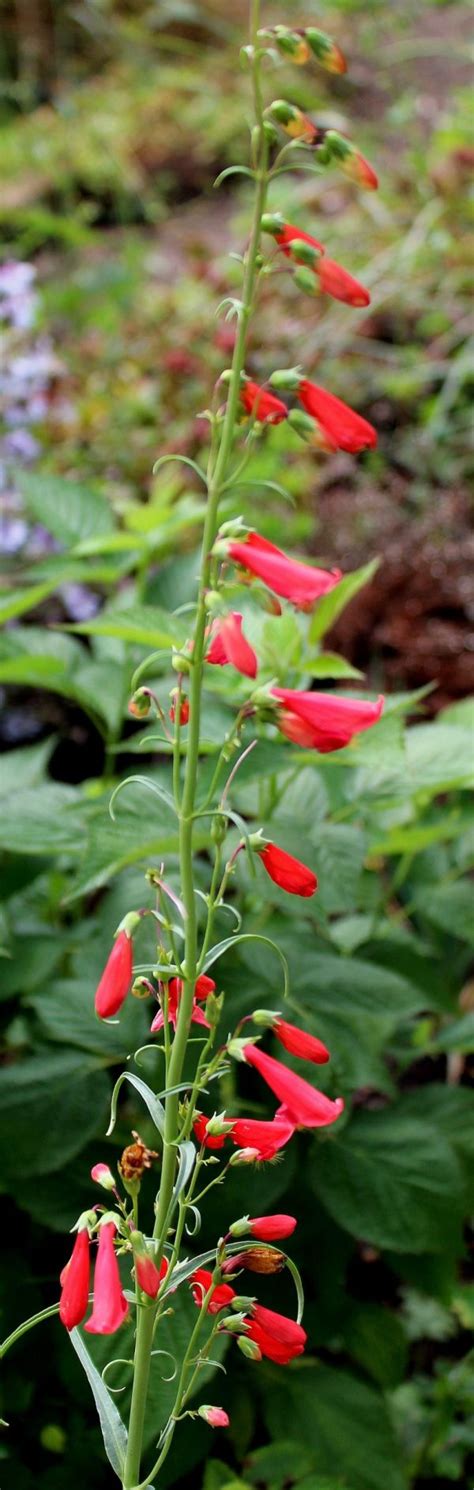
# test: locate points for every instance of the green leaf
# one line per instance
(25, 767)
(155, 1108)
(114, 1432)
(451, 907)
(439, 757)
(70, 511)
(64, 1009)
(330, 665)
(377, 1340)
(50, 1104)
(111, 847)
(331, 605)
(279, 1462)
(344, 1422)
(18, 602)
(392, 1179)
(43, 820)
(143, 624)
(32, 959)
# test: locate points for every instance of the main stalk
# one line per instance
(217, 477)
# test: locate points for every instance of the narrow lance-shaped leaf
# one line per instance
(114, 1432)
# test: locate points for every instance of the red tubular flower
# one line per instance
(298, 1042)
(271, 1228)
(149, 1276)
(289, 234)
(305, 1107)
(116, 977)
(74, 1282)
(343, 427)
(287, 872)
(336, 281)
(209, 1140)
(324, 721)
(175, 989)
(228, 644)
(300, 583)
(278, 1338)
(266, 1138)
(110, 1305)
(265, 406)
(200, 1283)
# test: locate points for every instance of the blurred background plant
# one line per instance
(115, 249)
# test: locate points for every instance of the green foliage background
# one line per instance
(380, 963)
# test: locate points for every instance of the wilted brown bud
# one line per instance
(263, 1260)
(135, 1159)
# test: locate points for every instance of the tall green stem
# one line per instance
(217, 475)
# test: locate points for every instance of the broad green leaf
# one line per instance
(459, 1035)
(114, 1432)
(344, 1422)
(70, 511)
(145, 624)
(330, 665)
(279, 1462)
(134, 837)
(25, 766)
(439, 757)
(65, 1010)
(18, 602)
(450, 906)
(376, 1339)
(32, 959)
(47, 819)
(50, 1104)
(393, 1180)
(331, 605)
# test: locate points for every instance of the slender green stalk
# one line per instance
(218, 470)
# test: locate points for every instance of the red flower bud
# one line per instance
(336, 281)
(228, 644)
(75, 1282)
(272, 1228)
(215, 1416)
(116, 977)
(298, 1042)
(262, 404)
(326, 51)
(183, 711)
(102, 1175)
(345, 429)
(110, 1305)
(304, 1106)
(289, 873)
(300, 583)
(149, 1277)
(324, 721)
